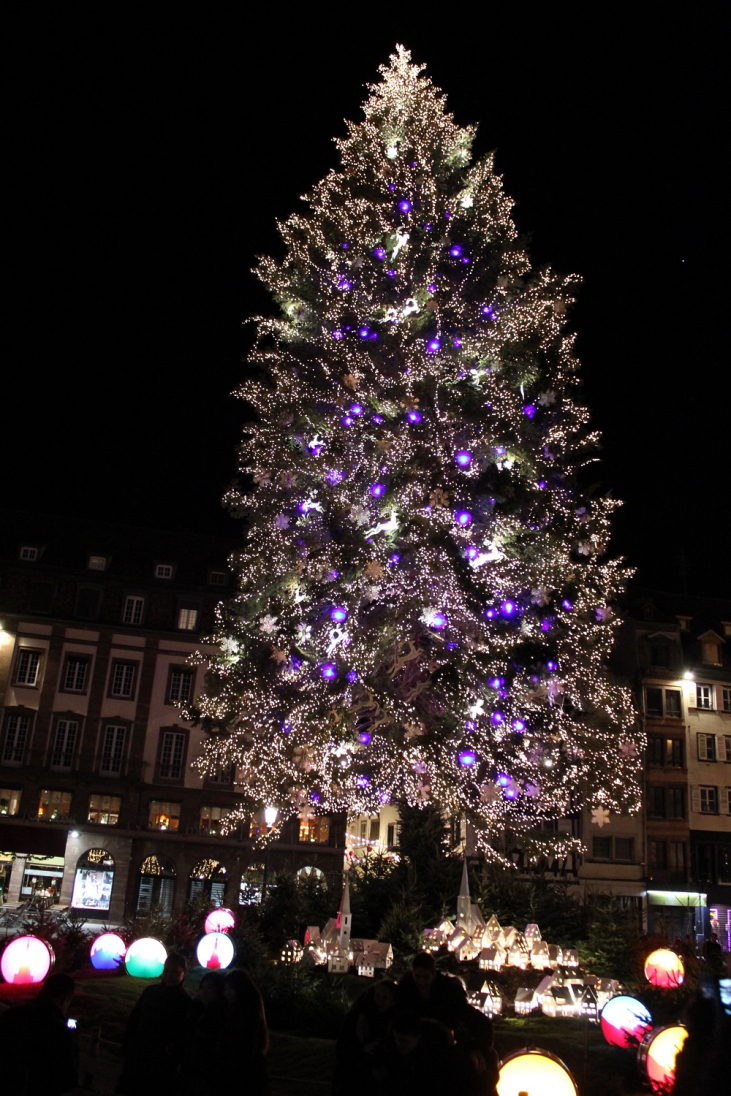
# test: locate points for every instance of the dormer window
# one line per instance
(29, 553)
(97, 563)
(711, 653)
(164, 570)
(726, 625)
(684, 622)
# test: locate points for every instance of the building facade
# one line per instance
(100, 809)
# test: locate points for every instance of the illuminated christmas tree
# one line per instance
(423, 611)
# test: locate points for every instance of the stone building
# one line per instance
(99, 806)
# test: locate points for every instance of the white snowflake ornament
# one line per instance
(268, 624)
(599, 816)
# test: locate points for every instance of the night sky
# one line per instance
(152, 152)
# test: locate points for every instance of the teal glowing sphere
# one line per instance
(145, 958)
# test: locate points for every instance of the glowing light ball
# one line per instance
(107, 951)
(414, 416)
(536, 1072)
(657, 1055)
(625, 1021)
(220, 920)
(377, 490)
(338, 614)
(215, 951)
(145, 958)
(26, 961)
(433, 345)
(463, 517)
(467, 759)
(329, 671)
(664, 968)
(463, 458)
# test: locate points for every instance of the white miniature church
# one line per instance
(335, 947)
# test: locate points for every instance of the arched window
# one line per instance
(93, 882)
(311, 872)
(208, 880)
(156, 888)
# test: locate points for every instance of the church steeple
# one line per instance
(344, 917)
(464, 901)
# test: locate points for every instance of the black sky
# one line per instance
(152, 152)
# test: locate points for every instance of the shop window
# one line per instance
(93, 882)
(104, 809)
(180, 685)
(9, 801)
(315, 830)
(17, 729)
(42, 879)
(252, 885)
(164, 815)
(211, 818)
(27, 668)
(156, 886)
(208, 880)
(54, 805)
(75, 674)
(112, 755)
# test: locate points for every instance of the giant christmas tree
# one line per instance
(423, 611)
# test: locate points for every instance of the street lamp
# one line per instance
(270, 817)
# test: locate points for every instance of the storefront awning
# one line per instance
(688, 899)
(33, 839)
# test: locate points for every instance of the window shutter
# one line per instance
(696, 798)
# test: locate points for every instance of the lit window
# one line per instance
(164, 570)
(180, 685)
(704, 696)
(211, 818)
(9, 801)
(104, 809)
(97, 563)
(315, 829)
(64, 743)
(123, 680)
(133, 609)
(172, 755)
(187, 620)
(164, 815)
(711, 653)
(112, 750)
(54, 806)
(74, 678)
(16, 738)
(29, 553)
(27, 668)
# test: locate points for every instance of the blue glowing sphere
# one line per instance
(378, 489)
(490, 613)
(363, 332)
(329, 671)
(377, 420)
(496, 682)
(457, 342)
(428, 228)
(463, 458)
(404, 205)
(347, 420)
(529, 410)
(304, 507)
(413, 416)
(433, 345)
(471, 551)
(334, 476)
(551, 666)
(511, 793)
(362, 781)
(432, 288)
(499, 450)
(465, 259)
(463, 517)
(518, 725)
(364, 738)
(467, 759)
(507, 608)
(503, 780)
(345, 285)
(337, 334)
(338, 614)
(395, 557)
(439, 621)
(344, 245)
(567, 605)
(497, 718)
(379, 253)
(542, 484)
(545, 626)
(391, 273)
(356, 409)
(351, 676)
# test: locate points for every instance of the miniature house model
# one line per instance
(335, 947)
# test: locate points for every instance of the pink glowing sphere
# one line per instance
(664, 968)
(26, 961)
(625, 1021)
(108, 951)
(215, 951)
(220, 920)
(657, 1054)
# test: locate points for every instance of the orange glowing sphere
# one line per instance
(535, 1071)
(657, 1054)
(664, 968)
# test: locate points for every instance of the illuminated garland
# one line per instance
(424, 606)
